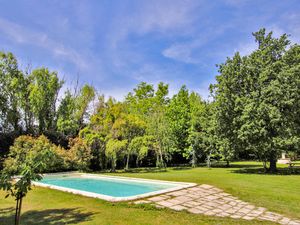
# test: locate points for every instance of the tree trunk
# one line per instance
(157, 160)
(162, 165)
(127, 162)
(273, 161)
(208, 161)
(194, 160)
(227, 163)
(17, 211)
(113, 165)
(265, 166)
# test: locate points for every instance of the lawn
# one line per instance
(44, 206)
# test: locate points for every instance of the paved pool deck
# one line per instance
(208, 200)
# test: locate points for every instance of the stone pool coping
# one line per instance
(180, 185)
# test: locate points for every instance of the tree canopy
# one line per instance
(253, 112)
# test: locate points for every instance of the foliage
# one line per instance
(253, 110)
(115, 148)
(179, 117)
(140, 146)
(44, 88)
(10, 88)
(27, 159)
(80, 154)
(257, 99)
(194, 149)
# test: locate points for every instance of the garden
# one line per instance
(231, 141)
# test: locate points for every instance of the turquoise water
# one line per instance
(115, 188)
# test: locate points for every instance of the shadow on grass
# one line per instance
(135, 170)
(47, 217)
(280, 171)
(224, 165)
(6, 210)
(145, 170)
(181, 168)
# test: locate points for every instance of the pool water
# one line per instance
(105, 186)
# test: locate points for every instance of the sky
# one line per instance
(116, 44)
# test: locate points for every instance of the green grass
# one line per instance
(44, 206)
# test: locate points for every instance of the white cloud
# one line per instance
(165, 17)
(23, 35)
(183, 52)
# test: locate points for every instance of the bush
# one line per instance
(27, 146)
(79, 154)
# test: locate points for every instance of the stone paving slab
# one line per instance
(208, 200)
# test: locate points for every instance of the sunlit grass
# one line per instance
(45, 206)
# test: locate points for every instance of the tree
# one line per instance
(80, 153)
(140, 101)
(27, 159)
(140, 146)
(115, 148)
(86, 96)
(257, 96)
(10, 92)
(44, 88)
(179, 117)
(159, 129)
(66, 122)
(95, 139)
(195, 131)
(127, 128)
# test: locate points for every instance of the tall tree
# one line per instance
(73, 110)
(10, 93)
(159, 128)
(195, 145)
(179, 117)
(256, 97)
(127, 128)
(44, 88)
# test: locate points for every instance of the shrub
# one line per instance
(79, 154)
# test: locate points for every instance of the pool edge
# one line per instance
(183, 185)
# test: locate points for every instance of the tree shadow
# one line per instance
(145, 170)
(6, 210)
(224, 165)
(134, 170)
(280, 171)
(48, 217)
(182, 168)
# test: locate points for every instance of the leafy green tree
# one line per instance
(44, 88)
(160, 130)
(114, 150)
(127, 128)
(86, 96)
(140, 101)
(66, 122)
(96, 141)
(28, 158)
(194, 140)
(256, 98)
(10, 92)
(73, 110)
(179, 117)
(140, 146)
(80, 153)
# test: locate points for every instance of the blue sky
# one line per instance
(116, 44)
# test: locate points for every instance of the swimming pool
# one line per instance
(109, 188)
